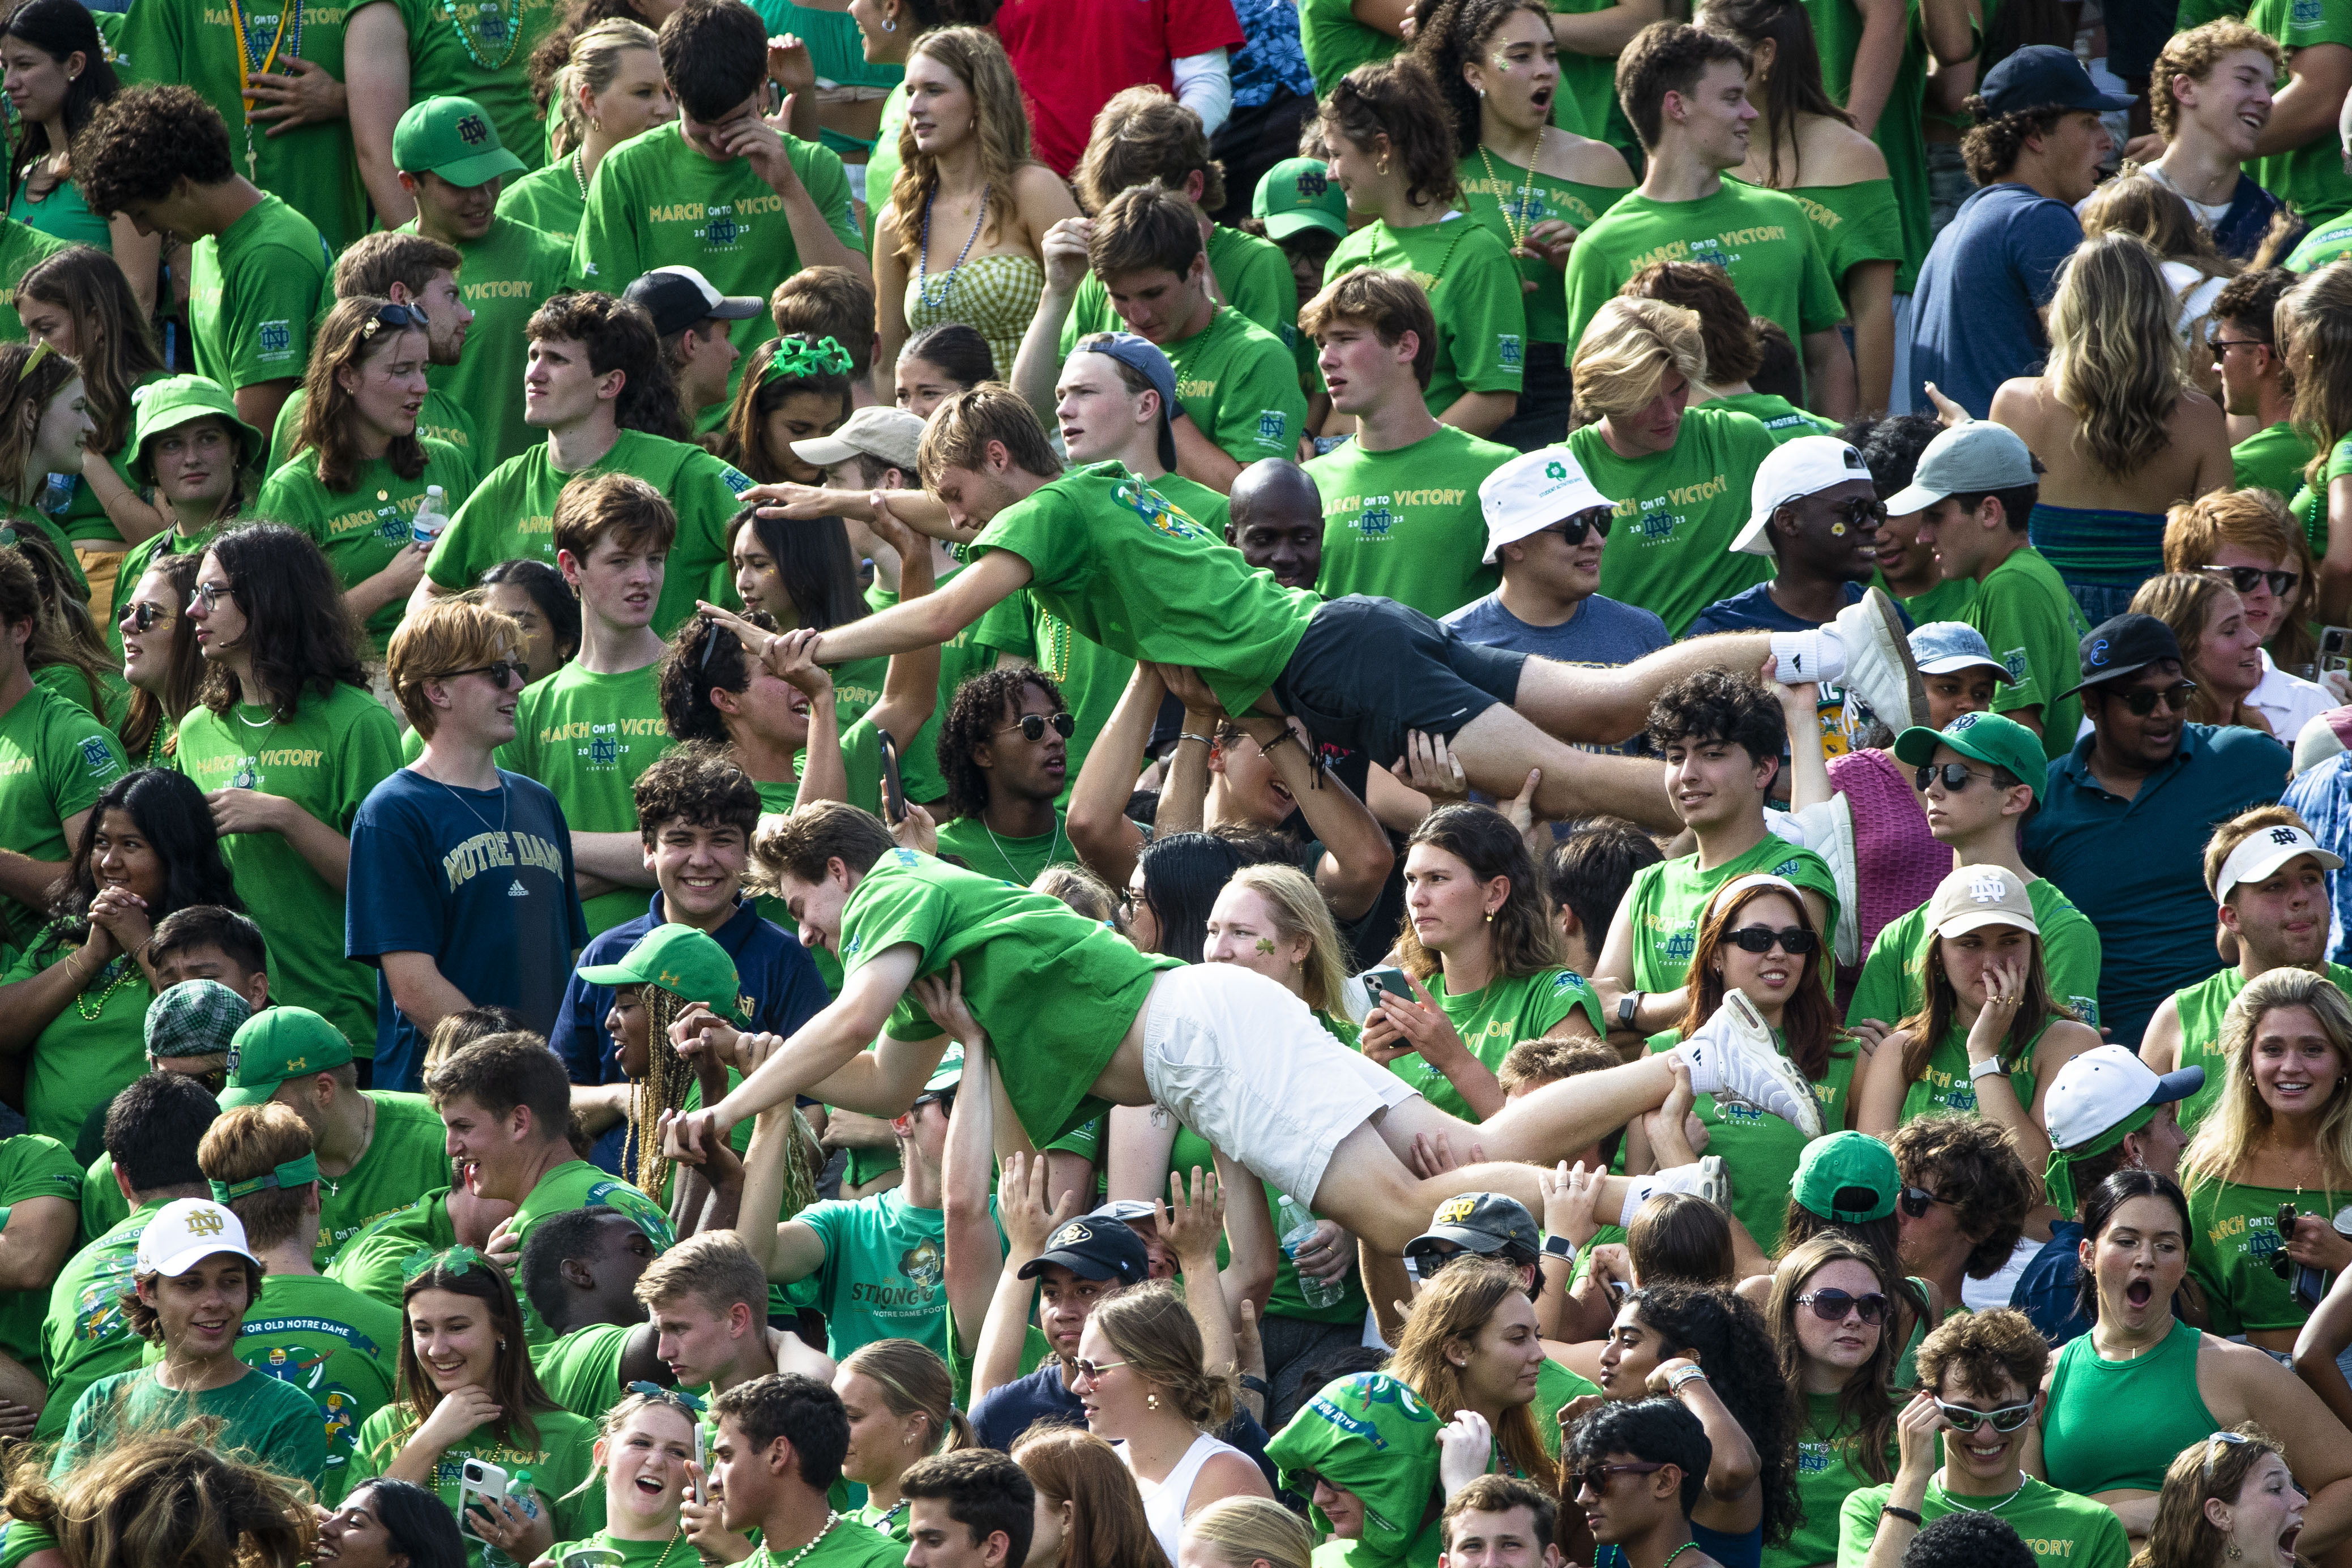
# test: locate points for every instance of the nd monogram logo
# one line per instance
(205, 1222)
(472, 131)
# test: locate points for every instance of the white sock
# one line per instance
(1637, 1193)
(1700, 1056)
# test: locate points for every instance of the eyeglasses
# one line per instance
(1917, 1200)
(144, 617)
(209, 594)
(2008, 1418)
(1092, 1371)
(1594, 1479)
(1955, 776)
(2246, 578)
(498, 670)
(2143, 701)
(1424, 1264)
(1593, 520)
(1793, 940)
(1835, 1306)
(2223, 345)
(400, 318)
(1032, 725)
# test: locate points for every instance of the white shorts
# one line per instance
(1243, 1062)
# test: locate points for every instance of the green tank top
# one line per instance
(1944, 1087)
(2202, 1008)
(1507, 199)
(1907, 1365)
(2234, 1235)
(2085, 1450)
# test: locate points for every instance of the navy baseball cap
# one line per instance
(2044, 76)
(1094, 1248)
(2122, 646)
(1141, 355)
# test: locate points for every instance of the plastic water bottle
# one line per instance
(1298, 1231)
(432, 516)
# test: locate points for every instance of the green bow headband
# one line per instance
(2058, 1177)
(293, 1173)
(457, 1262)
(800, 358)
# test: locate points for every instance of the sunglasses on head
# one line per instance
(2246, 578)
(144, 617)
(2008, 1418)
(1793, 940)
(1032, 725)
(400, 318)
(1592, 520)
(1594, 1479)
(1834, 1306)
(2142, 701)
(1917, 1200)
(1955, 776)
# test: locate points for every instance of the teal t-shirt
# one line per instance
(884, 1271)
(266, 1421)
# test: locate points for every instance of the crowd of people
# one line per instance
(1180, 784)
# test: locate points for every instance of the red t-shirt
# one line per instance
(1072, 55)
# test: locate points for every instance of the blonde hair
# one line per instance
(713, 1268)
(1298, 910)
(1000, 121)
(2186, 601)
(1241, 1531)
(1629, 349)
(2137, 204)
(2227, 1136)
(2318, 318)
(2114, 360)
(595, 60)
(2254, 519)
(164, 1497)
(445, 636)
(1155, 1335)
(2237, 830)
(253, 1141)
(914, 1382)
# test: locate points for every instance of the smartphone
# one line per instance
(894, 794)
(701, 1465)
(2335, 648)
(1390, 979)
(476, 1481)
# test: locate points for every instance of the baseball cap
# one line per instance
(2263, 851)
(1805, 466)
(1963, 461)
(274, 1045)
(1481, 1222)
(887, 435)
(1300, 193)
(678, 296)
(1126, 1210)
(2121, 645)
(1986, 736)
(1849, 1177)
(685, 962)
(948, 1072)
(1093, 1249)
(194, 1018)
(454, 138)
(1141, 355)
(1532, 492)
(1947, 647)
(2044, 76)
(2096, 1099)
(187, 1230)
(1981, 895)
(172, 402)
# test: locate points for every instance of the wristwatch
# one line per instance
(1629, 1007)
(1985, 1069)
(1559, 1247)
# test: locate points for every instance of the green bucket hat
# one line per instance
(161, 405)
(276, 1044)
(1849, 1177)
(454, 138)
(682, 961)
(1986, 736)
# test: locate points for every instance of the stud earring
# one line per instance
(1490, 917)
(1384, 166)
(1152, 1402)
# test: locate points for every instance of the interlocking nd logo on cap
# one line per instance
(1453, 1211)
(205, 1221)
(2285, 836)
(472, 131)
(1987, 889)
(1964, 722)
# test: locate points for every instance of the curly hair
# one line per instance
(1395, 99)
(1719, 705)
(1454, 33)
(2194, 53)
(1525, 942)
(142, 141)
(1730, 1339)
(1991, 146)
(618, 335)
(1972, 1164)
(1981, 1347)
(298, 635)
(702, 657)
(974, 717)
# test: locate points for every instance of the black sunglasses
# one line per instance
(498, 670)
(398, 317)
(1917, 1200)
(1833, 1306)
(1860, 514)
(1032, 725)
(1595, 1478)
(1793, 940)
(2142, 702)
(1594, 520)
(2245, 578)
(1955, 776)
(145, 617)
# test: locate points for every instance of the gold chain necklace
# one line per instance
(1518, 233)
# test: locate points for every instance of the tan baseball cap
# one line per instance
(1981, 895)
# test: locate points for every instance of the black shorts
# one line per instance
(1367, 670)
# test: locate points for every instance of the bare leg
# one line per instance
(1368, 1189)
(1608, 706)
(1499, 747)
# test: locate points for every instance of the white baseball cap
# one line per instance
(187, 1230)
(2103, 1086)
(1796, 469)
(1532, 492)
(1979, 895)
(2265, 850)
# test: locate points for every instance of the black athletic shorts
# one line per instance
(1367, 670)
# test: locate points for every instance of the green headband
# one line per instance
(457, 1262)
(2058, 1177)
(799, 358)
(293, 1173)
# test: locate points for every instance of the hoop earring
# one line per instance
(890, 24)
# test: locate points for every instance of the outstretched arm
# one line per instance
(975, 1259)
(931, 620)
(1098, 823)
(820, 1050)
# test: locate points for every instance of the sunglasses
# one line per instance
(498, 670)
(668, 1395)
(144, 617)
(2143, 701)
(1594, 520)
(1954, 775)
(209, 595)
(2008, 1418)
(2246, 578)
(1834, 1306)
(1793, 940)
(1594, 1479)
(1092, 1371)
(1917, 1200)
(400, 318)
(1032, 725)
(1861, 515)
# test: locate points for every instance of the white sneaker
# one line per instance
(1865, 653)
(1733, 1055)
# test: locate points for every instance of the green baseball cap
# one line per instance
(194, 1018)
(454, 138)
(948, 1072)
(1300, 193)
(171, 401)
(276, 1044)
(1986, 736)
(680, 960)
(1848, 1177)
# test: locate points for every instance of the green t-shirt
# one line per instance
(1193, 1152)
(655, 201)
(576, 1184)
(1473, 292)
(1894, 984)
(1829, 1470)
(1430, 490)
(440, 418)
(559, 1460)
(2324, 244)
(372, 1262)
(2033, 625)
(1510, 1008)
(1950, 600)
(1121, 564)
(1667, 901)
(1091, 677)
(1017, 861)
(513, 512)
(20, 246)
(882, 165)
(1760, 1148)
(362, 529)
(1856, 224)
(548, 199)
(1586, 99)
(2309, 178)
(961, 657)
(2201, 1007)
(93, 1048)
(1677, 512)
(1238, 382)
(1055, 991)
(506, 275)
(582, 1370)
(86, 1335)
(587, 736)
(486, 57)
(2061, 1530)
(1508, 199)
(1781, 419)
(324, 759)
(1837, 26)
(1252, 277)
(71, 683)
(2233, 1235)
(2272, 459)
(1335, 43)
(1944, 1087)
(883, 1274)
(56, 760)
(2311, 505)
(671, 1552)
(404, 1156)
(266, 1421)
(1762, 238)
(253, 293)
(31, 1167)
